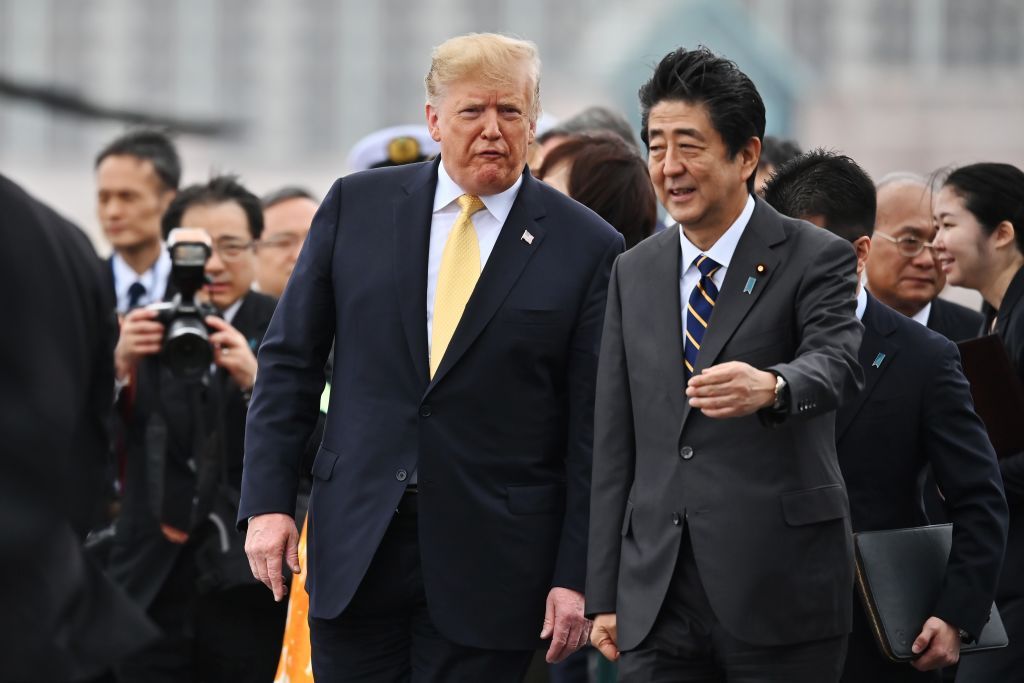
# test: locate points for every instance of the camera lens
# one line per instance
(186, 349)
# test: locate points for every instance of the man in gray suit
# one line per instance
(720, 544)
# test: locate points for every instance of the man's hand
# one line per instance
(231, 351)
(732, 389)
(564, 623)
(605, 636)
(271, 539)
(141, 335)
(938, 645)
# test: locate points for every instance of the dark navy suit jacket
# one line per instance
(501, 436)
(916, 410)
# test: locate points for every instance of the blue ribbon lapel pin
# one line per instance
(749, 287)
(877, 362)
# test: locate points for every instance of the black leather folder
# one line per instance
(899, 577)
(997, 393)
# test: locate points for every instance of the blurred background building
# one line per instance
(281, 89)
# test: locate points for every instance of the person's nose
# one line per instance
(491, 130)
(672, 164)
(214, 265)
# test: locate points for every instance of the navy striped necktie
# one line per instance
(698, 311)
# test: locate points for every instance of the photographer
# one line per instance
(191, 364)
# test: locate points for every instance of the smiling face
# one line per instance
(963, 250)
(904, 283)
(698, 182)
(484, 130)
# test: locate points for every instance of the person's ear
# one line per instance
(1005, 235)
(749, 154)
(862, 245)
(432, 122)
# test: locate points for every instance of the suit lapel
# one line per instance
(666, 323)
(506, 262)
(411, 229)
(754, 259)
(877, 350)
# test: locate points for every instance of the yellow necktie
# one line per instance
(460, 269)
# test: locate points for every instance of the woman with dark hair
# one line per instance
(980, 244)
(605, 174)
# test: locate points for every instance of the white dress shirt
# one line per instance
(720, 252)
(922, 315)
(154, 280)
(862, 302)
(487, 222)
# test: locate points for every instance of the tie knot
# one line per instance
(705, 265)
(470, 204)
(135, 293)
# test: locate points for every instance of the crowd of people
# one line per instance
(505, 390)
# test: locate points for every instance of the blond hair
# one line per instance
(488, 56)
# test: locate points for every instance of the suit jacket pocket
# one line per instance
(538, 499)
(810, 506)
(323, 464)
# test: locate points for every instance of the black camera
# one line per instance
(186, 345)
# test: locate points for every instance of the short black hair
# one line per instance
(590, 120)
(993, 193)
(827, 184)
(702, 77)
(777, 151)
(283, 194)
(148, 144)
(218, 190)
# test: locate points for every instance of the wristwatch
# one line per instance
(781, 394)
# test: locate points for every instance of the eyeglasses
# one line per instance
(231, 249)
(908, 245)
(285, 242)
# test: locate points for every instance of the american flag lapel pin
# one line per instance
(527, 237)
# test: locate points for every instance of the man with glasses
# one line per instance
(287, 215)
(174, 550)
(914, 412)
(901, 271)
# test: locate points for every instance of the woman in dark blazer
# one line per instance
(980, 244)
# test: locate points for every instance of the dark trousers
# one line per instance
(865, 662)
(687, 643)
(223, 636)
(386, 633)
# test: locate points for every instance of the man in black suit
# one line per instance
(915, 411)
(901, 270)
(175, 550)
(137, 176)
(720, 535)
(61, 619)
(467, 300)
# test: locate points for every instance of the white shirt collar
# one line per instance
(229, 313)
(154, 279)
(721, 251)
(922, 315)
(498, 205)
(862, 302)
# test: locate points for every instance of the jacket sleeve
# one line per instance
(614, 458)
(285, 400)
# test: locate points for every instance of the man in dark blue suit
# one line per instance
(448, 518)
(915, 410)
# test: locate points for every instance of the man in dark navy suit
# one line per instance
(448, 517)
(915, 410)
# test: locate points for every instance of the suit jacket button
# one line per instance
(676, 519)
(685, 452)
(425, 410)
(401, 475)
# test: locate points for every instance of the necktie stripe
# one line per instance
(699, 307)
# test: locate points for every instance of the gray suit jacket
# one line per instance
(762, 495)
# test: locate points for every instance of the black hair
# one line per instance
(993, 193)
(219, 189)
(827, 184)
(777, 151)
(702, 77)
(150, 145)
(590, 120)
(609, 177)
(283, 194)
